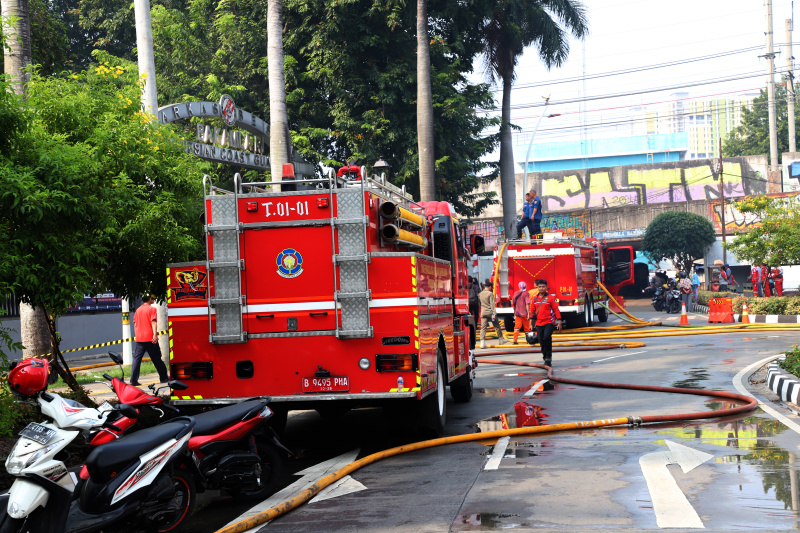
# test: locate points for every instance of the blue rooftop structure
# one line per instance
(610, 152)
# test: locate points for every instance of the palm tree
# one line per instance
(17, 31)
(427, 173)
(278, 119)
(515, 25)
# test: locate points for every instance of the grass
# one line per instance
(90, 376)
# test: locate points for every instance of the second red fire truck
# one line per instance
(342, 294)
(572, 268)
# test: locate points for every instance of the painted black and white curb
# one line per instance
(771, 319)
(782, 383)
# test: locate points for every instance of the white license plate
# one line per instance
(329, 384)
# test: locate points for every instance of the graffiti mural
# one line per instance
(737, 221)
(645, 184)
(568, 225)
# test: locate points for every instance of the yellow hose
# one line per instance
(310, 492)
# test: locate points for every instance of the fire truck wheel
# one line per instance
(461, 389)
(508, 323)
(590, 312)
(333, 410)
(271, 470)
(279, 417)
(434, 406)
(602, 314)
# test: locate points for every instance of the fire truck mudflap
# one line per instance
(324, 295)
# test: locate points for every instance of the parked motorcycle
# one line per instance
(672, 298)
(658, 296)
(233, 448)
(132, 480)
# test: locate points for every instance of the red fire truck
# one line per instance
(341, 293)
(572, 268)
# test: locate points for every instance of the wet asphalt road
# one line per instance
(579, 480)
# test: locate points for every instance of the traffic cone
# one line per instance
(745, 316)
(684, 318)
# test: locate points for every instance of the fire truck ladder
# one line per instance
(227, 302)
(349, 235)
(502, 273)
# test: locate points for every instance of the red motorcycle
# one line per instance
(232, 448)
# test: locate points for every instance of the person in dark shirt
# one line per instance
(527, 215)
(536, 215)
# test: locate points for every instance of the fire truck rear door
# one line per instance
(288, 265)
(530, 265)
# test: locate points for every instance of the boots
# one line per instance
(516, 336)
(483, 344)
(548, 361)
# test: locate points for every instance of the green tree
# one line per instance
(513, 26)
(777, 239)
(92, 194)
(751, 137)
(679, 237)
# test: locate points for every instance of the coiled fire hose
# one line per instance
(749, 404)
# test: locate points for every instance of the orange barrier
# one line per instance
(617, 306)
(720, 310)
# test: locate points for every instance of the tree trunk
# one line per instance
(34, 333)
(278, 119)
(508, 181)
(427, 172)
(18, 55)
(59, 366)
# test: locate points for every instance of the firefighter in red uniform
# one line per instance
(777, 274)
(755, 278)
(765, 278)
(545, 313)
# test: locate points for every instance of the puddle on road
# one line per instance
(524, 414)
(693, 378)
(489, 520)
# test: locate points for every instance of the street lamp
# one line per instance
(381, 167)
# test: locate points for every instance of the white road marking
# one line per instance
(739, 384)
(499, 451)
(530, 392)
(615, 356)
(670, 505)
(346, 485)
(310, 476)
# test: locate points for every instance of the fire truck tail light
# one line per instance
(393, 362)
(203, 370)
(252, 207)
(322, 202)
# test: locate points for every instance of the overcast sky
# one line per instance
(636, 34)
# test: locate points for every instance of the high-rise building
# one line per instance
(704, 120)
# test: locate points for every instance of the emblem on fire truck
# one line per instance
(227, 109)
(290, 263)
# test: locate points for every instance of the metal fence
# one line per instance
(9, 307)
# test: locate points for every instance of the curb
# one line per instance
(771, 319)
(781, 383)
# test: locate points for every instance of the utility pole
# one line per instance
(790, 85)
(722, 205)
(144, 48)
(770, 55)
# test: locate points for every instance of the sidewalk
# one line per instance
(100, 392)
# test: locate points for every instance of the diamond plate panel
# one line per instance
(352, 240)
(229, 319)
(226, 282)
(353, 276)
(355, 314)
(349, 203)
(225, 245)
(223, 209)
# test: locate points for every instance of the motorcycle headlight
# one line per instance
(15, 464)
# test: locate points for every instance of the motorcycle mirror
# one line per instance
(128, 410)
(115, 357)
(178, 385)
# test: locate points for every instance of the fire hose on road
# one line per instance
(748, 404)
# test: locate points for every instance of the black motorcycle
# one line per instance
(672, 298)
(658, 296)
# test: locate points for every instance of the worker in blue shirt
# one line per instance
(695, 284)
(536, 203)
(527, 215)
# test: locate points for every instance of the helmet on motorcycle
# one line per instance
(28, 377)
(681, 274)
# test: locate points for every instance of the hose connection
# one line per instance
(635, 421)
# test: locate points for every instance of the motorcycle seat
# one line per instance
(213, 421)
(132, 446)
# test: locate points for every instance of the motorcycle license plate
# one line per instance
(37, 433)
(329, 384)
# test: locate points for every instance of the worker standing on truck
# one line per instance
(536, 204)
(522, 304)
(488, 314)
(527, 215)
(545, 313)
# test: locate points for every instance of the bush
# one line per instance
(775, 305)
(792, 362)
(13, 415)
(768, 306)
